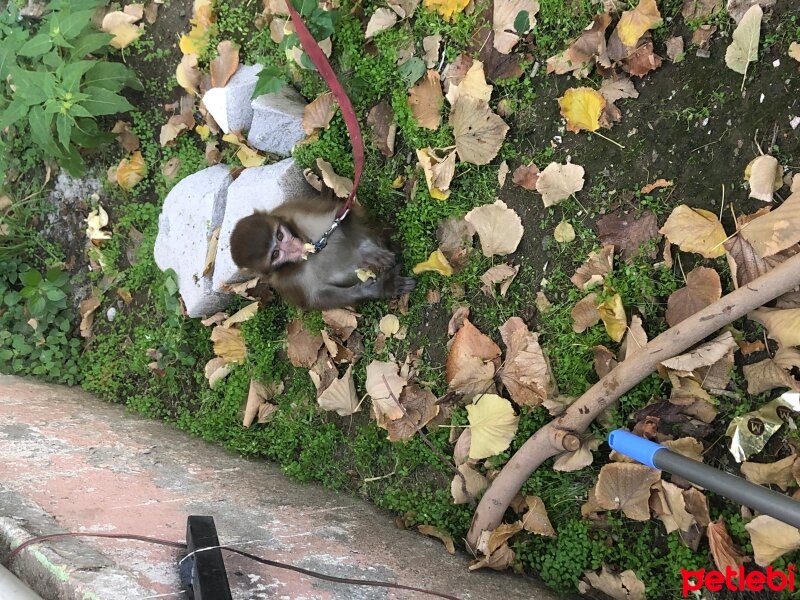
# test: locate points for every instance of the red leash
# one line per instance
(350, 120)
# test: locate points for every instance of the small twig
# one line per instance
(608, 139)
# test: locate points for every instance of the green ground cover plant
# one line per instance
(687, 126)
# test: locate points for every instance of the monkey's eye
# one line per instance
(275, 254)
(279, 236)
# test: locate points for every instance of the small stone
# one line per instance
(230, 105)
(277, 123)
(111, 314)
(191, 212)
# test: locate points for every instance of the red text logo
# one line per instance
(736, 580)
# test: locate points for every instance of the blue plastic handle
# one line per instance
(634, 446)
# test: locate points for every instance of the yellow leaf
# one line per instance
(582, 108)
(229, 344)
(187, 74)
(492, 424)
(398, 182)
(634, 23)
(131, 171)
(249, 157)
(446, 8)
(744, 47)
(203, 131)
(436, 262)
(242, 315)
(124, 35)
(365, 274)
(695, 230)
(389, 325)
(613, 315)
(439, 165)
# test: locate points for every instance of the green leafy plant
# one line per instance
(35, 322)
(54, 90)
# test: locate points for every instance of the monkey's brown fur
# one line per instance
(328, 278)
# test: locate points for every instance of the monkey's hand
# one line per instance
(393, 284)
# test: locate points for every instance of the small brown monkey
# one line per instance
(274, 244)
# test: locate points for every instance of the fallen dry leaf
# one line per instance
(583, 53)
(476, 483)
(622, 586)
(635, 339)
(612, 313)
(695, 230)
(342, 321)
(381, 120)
(502, 274)
(437, 263)
(341, 186)
(722, 548)
(771, 539)
(499, 228)
(317, 114)
(455, 241)
(384, 385)
(642, 60)
(446, 8)
(627, 233)
(794, 50)
(780, 473)
(694, 10)
(558, 182)
(535, 519)
(675, 49)
(585, 314)
(426, 101)
(633, 24)
(626, 487)
(302, 346)
(764, 175)
(471, 361)
(479, 132)
(439, 166)
(126, 138)
(211, 252)
(526, 176)
(493, 424)
(526, 372)
(444, 537)
(500, 560)
(122, 26)
(225, 64)
(258, 405)
(776, 230)
(703, 287)
(381, 20)
(340, 396)
(419, 406)
(472, 84)
(783, 325)
(767, 375)
(504, 22)
(582, 107)
(131, 171)
(744, 48)
(229, 344)
(430, 45)
(564, 233)
(593, 272)
(87, 308)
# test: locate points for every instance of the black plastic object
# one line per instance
(204, 572)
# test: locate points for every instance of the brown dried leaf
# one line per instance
(500, 560)
(258, 406)
(502, 274)
(499, 228)
(445, 538)
(622, 586)
(604, 360)
(722, 548)
(340, 395)
(694, 10)
(224, 66)
(635, 339)
(594, 270)
(473, 84)
(535, 519)
(126, 138)
(583, 53)
(585, 314)
(439, 166)
(704, 355)
(504, 18)
(471, 361)
(626, 487)
(642, 61)
(476, 483)
(526, 176)
(426, 101)
(618, 88)
(317, 114)
(767, 375)
(301, 346)
(479, 133)
(430, 45)
(381, 20)
(526, 372)
(627, 233)
(455, 241)
(381, 120)
(675, 50)
(672, 507)
(764, 175)
(229, 344)
(420, 408)
(211, 252)
(341, 320)
(703, 288)
(771, 539)
(87, 308)
(455, 72)
(384, 385)
(780, 473)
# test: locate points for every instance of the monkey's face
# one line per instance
(264, 243)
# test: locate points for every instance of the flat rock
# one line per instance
(191, 212)
(257, 188)
(277, 121)
(231, 105)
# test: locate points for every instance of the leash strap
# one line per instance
(320, 61)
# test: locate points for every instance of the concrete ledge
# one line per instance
(71, 463)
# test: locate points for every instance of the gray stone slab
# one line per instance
(277, 121)
(231, 105)
(257, 188)
(191, 212)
